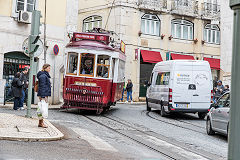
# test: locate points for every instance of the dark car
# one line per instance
(218, 116)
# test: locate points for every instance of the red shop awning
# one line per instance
(181, 56)
(151, 56)
(214, 63)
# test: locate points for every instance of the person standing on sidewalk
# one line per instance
(24, 80)
(124, 88)
(17, 87)
(129, 90)
(44, 88)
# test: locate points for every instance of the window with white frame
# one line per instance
(182, 29)
(150, 24)
(92, 22)
(25, 5)
(212, 34)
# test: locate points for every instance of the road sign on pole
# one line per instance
(234, 128)
(32, 48)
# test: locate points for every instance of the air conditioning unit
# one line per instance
(24, 17)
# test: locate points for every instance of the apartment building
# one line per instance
(157, 30)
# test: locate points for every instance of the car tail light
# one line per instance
(208, 110)
(170, 95)
(211, 96)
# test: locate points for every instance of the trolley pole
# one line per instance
(33, 47)
(234, 132)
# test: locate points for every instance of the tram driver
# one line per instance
(88, 67)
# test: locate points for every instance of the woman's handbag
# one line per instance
(36, 86)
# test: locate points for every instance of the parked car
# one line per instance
(218, 116)
(180, 86)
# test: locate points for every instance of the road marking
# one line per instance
(187, 154)
(94, 141)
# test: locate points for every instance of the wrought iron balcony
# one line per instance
(185, 7)
(210, 11)
(156, 5)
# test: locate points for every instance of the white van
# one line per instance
(180, 86)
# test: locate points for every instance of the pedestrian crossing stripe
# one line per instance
(93, 140)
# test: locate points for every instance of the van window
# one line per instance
(163, 78)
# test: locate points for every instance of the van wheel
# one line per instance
(148, 108)
(162, 112)
(201, 115)
(209, 127)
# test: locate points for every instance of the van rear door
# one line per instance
(182, 77)
(202, 79)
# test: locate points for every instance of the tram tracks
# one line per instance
(202, 131)
(141, 135)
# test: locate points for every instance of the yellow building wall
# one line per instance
(56, 12)
(5, 7)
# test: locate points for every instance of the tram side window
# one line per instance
(121, 70)
(72, 63)
(87, 64)
(103, 65)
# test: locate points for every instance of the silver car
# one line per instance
(218, 115)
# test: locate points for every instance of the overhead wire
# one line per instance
(109, 14)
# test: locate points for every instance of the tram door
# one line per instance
(13, 62)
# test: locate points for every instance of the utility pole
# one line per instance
(233, 137)
(33, 47)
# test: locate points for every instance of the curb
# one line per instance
(59, 135)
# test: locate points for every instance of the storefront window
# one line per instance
(103, 65)
(72, 63)
(87, 64)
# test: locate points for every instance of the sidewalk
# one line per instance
(19, 128)
(33, 106)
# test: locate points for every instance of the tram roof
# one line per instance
(89, 44)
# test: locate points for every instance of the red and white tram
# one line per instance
(94, 76)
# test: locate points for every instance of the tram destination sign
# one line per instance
(91, 36)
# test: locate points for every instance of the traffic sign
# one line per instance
(55, 49)
(38, 51)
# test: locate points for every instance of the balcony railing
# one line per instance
(157, 5)
(185, 7)
(210, 10)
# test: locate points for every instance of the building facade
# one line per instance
(156, 30)
(15, 19)
(226, 38)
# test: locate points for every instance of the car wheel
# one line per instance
(209, 127)
(148, 108)
(162, 112)
(201, 115)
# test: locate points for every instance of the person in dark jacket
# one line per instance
(129, 90)
(17, 87)
(44, 87)
(24, 80)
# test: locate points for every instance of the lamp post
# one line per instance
(234, 128)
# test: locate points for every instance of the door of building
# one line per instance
(145, 73)
(13, 62)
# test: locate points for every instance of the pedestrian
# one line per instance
(44, 88)
(226, 88)
(24, 80)
(129, 90)
(17, 87)
(218, 90)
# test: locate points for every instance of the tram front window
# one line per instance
(103, 66)
(72, 63)
(87, 64)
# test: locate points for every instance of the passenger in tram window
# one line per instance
(88, 67)
(105, 72)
